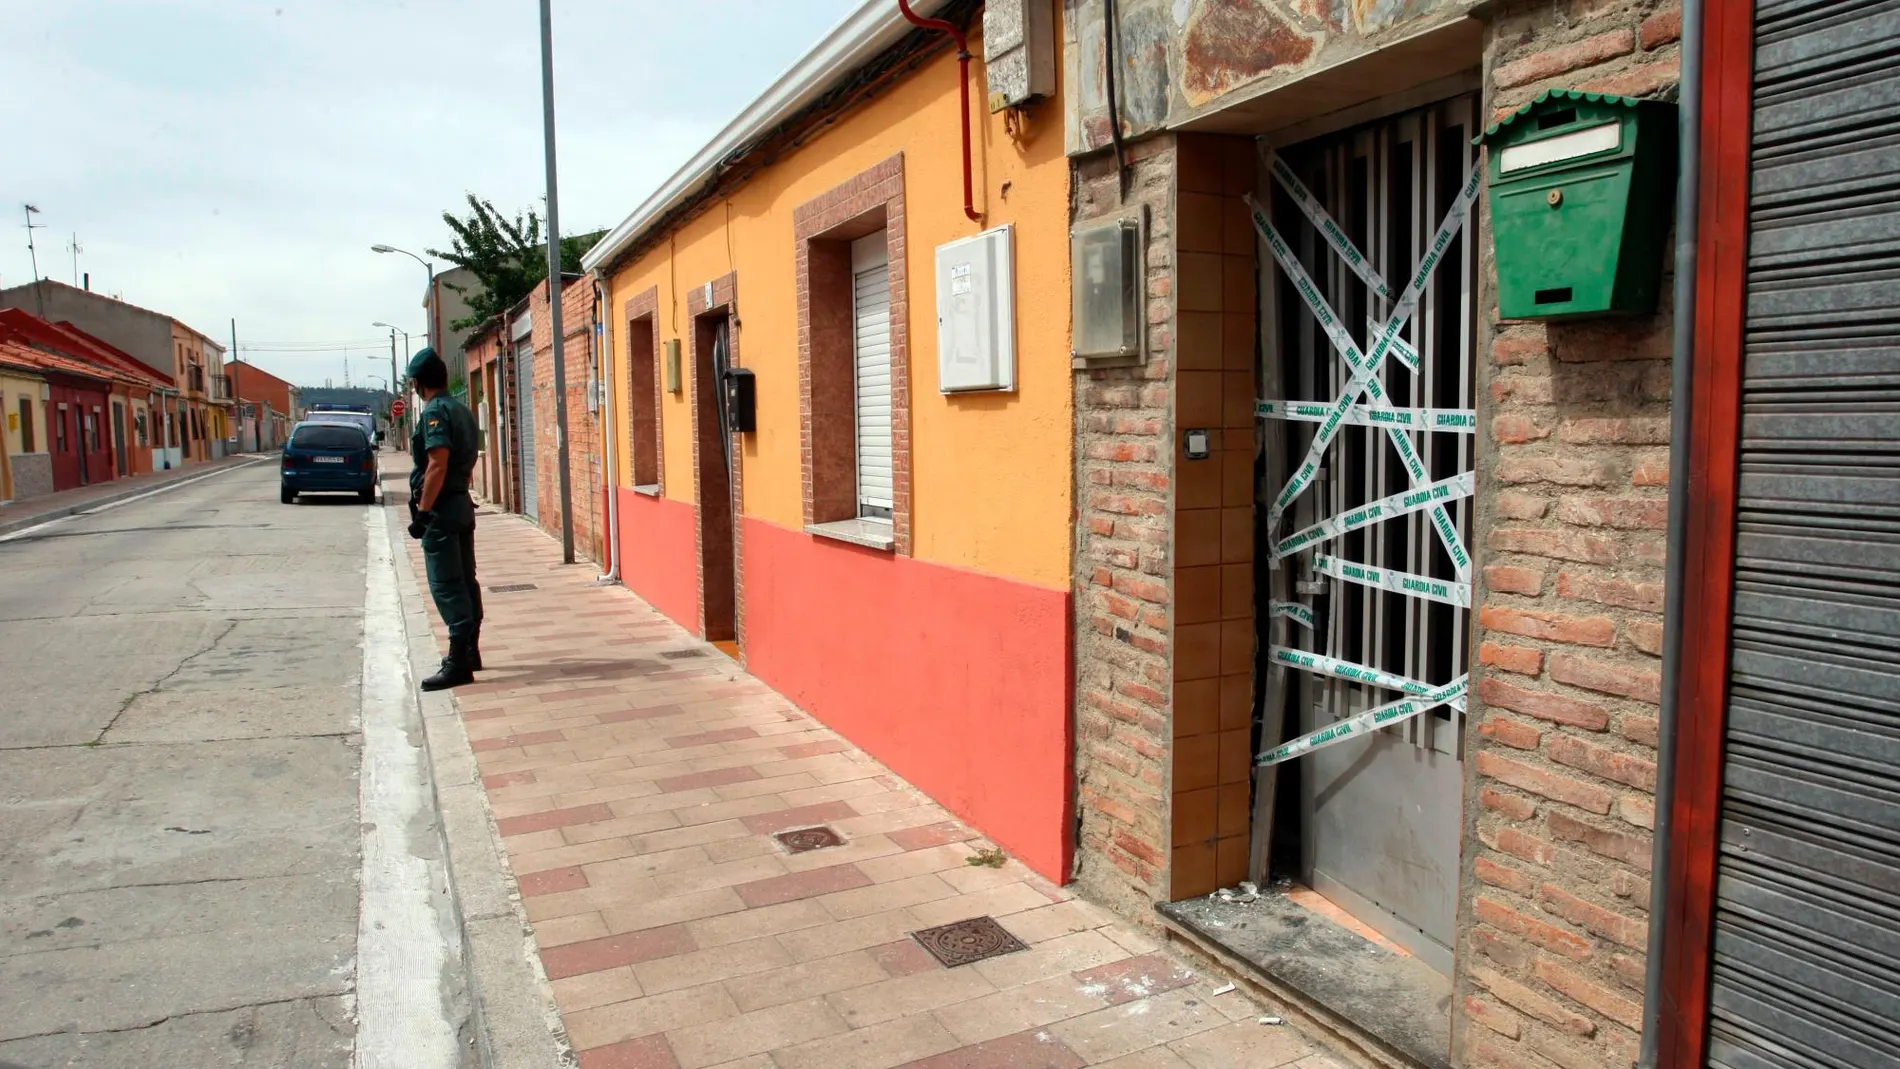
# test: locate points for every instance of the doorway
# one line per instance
(118, 437)
(1365, 612)
(712, 468)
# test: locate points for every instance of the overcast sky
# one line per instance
(237, 158)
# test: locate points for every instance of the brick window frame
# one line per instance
(647, 474)
(708, 301)
(823, 229)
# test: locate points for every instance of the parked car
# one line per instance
(326, 457)
(363, 420)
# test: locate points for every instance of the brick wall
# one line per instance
(1569, 540)
(1125, 505)
(583, 427)
(1165, 636)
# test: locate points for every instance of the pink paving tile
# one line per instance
(1024, 1050)
(809, 884)
(800, 817)
(707, 738)
(630, 948)
(1136, 978)
(552, 881)
(554, 818)
(483, 714)
(532, 738)
(507, 779)
(813, 749)
(647, 1052)
(930, 835)
(623, 716)
(574, 694)
(904, 958)
(717, 777)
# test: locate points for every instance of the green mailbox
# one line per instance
(1582, 186)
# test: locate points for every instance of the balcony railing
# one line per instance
(195, 379)
(221, 390)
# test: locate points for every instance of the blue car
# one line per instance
(328, 458)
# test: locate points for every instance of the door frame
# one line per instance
(717, 554)
(1708, 567)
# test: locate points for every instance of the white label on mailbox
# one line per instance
(1562, 147)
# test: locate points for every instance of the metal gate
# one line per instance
(1806, 944)
(524, 426)
(1369, 376)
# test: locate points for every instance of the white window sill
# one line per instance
(871, 534)
(652, 490)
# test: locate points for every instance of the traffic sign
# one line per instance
(395, 408)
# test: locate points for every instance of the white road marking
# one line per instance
(402, 957)
(108, 506)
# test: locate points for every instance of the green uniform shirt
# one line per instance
(444, 422)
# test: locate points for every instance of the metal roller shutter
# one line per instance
(1806, 970)
(871, 346)
(524, 423)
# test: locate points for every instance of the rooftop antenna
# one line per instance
(75, 248)
(38, 294)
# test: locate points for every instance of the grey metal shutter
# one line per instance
(524, 435)
(1806, 969)
(871, 348)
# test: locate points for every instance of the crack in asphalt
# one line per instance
(229, 627)
(313, 996)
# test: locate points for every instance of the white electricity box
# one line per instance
(976, 313)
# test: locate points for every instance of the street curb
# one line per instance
(514, 1019)
(8, 527)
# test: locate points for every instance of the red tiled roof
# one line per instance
(14, 354)
(23, 329)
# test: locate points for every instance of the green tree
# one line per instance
(507, 257)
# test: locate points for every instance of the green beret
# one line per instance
(423, 358)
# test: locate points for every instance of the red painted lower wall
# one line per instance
(657, 555)
(957, 681)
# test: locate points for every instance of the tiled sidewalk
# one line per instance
(638, 778)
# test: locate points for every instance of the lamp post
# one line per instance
(435, 306)
(395, 376)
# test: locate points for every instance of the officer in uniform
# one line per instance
(442, 515)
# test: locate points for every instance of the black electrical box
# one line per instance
(741, 401)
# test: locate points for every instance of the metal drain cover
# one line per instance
(680, 655)
(965, 942)
(512, 588)
(805, 840)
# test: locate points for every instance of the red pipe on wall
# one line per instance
(963, 85)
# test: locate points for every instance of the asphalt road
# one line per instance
(182, 705)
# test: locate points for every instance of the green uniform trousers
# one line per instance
(448, 554)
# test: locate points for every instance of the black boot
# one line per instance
(455, 667)
(475, 650)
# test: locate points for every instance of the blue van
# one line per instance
(324, 457)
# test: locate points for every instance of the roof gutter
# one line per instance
(863, 35)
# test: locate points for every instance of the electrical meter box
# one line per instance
(976, 313)
(1582, 189)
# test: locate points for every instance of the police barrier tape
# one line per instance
(1368, 721)
(1454, 420)
(1323, 665)
(1365, 365)
(1323, 223)
(1294, 611)
(1432, 496)
(1418, 586)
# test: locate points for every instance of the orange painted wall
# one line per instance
(991, 473)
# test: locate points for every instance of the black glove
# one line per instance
(419, 521)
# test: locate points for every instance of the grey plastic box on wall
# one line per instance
(976, 313)
(1107, 289)
(1019, 51)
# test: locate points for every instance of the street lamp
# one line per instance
(435, 309)
(395, 376)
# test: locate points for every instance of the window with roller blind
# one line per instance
(871, 363)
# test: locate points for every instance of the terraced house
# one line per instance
(1287, 448)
